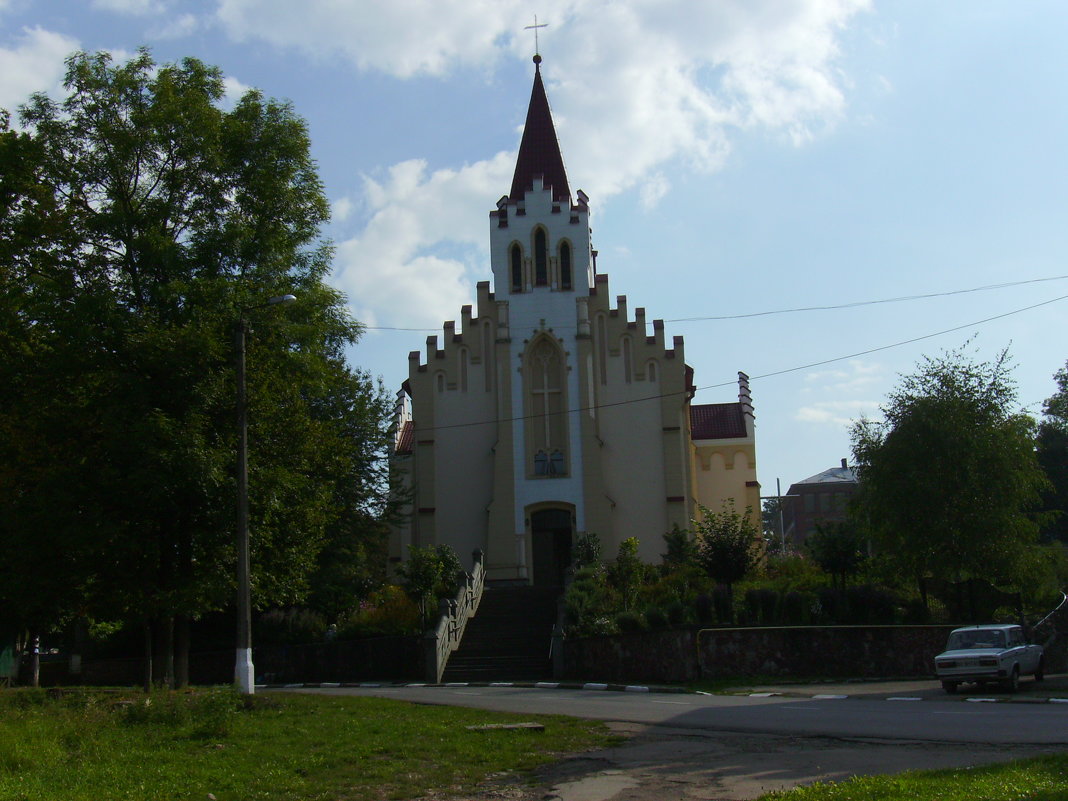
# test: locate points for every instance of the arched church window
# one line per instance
(541, 259)
(543, 377)
(517, 268)
(464, 360)
(628, 362)
(650, 371)
(602, 348)
(441, 382)
(488, 360)
(565, 266)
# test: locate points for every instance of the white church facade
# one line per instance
(552, 409)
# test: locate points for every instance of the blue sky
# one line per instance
(741, 157)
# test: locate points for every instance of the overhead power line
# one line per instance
(771, 374)
(834, 307)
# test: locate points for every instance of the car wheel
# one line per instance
(950, 687)
(1040, 671)
(1012, 683)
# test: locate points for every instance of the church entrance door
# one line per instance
(550, 531)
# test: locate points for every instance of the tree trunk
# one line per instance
(181, 651)
(148, 656)
(35, 661)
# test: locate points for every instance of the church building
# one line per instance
(553, 409)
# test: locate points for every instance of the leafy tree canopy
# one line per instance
(949, 478)
(1052, 449)
(139, 221)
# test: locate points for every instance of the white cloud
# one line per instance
(341, 208)
(638, 89)
(838, 413)
(233, 91)
(33, 64)
(390, 272)
(134, 7)
(402, 38)
(855, 376)
(177, 28)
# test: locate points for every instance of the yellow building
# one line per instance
(550, 410)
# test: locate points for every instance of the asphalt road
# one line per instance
(899, 711)
(736, 747)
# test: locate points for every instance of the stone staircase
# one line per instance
(509, 638)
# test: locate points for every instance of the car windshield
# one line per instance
(976, 638)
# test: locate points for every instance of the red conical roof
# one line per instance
(539, 152)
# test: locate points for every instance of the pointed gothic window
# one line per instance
(517, 268)
(628, 365)
(565, 266)
(543, 376)
(541, 259)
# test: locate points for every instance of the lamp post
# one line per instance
(244, 673)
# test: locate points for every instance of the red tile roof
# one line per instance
(406, 438)
(717, 421)
(539, 151)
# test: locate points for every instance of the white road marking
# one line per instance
(905, 698)
(829, 697)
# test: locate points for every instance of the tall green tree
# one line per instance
(838, 548)
(139, 221)
(949, 477)
(728, 545)
(1051, 446)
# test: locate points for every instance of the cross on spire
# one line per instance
(534, 28)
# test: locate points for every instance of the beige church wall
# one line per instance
(725, 471)
(642, 452)
(463, 466)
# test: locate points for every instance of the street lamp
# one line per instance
(244, 674)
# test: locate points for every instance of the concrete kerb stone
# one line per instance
(538, 685)
(641, 688)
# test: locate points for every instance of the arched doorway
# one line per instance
(551, 536)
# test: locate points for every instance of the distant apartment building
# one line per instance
(821, 498)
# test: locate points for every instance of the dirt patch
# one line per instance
(657, 763)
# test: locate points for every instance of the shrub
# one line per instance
(629, 622)
(704, 608)
(722, 599)
(289, 627)
(870, 604)
(676, 613)
(587, 550)
(762, 606)
(655, 618)
(795, 608)
(388, 611)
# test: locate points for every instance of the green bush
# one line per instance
(289, 627)
(676, 612)
(386, 612)
(629, 622)
(655, 618)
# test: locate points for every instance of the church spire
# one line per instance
(539, 151)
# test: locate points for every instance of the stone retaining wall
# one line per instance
(687, 654)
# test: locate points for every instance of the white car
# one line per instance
(984, 654)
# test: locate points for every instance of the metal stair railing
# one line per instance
(439, 644)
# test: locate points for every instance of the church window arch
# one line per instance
(516, 259)
(544, 392)
(602, 348)
(464, 360)
(541, 258)
(651, 371)
(566, 279)
(628, 360)
(489, 363)
(439, 379)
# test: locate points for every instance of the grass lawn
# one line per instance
(1040, 779)
(93, 745)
